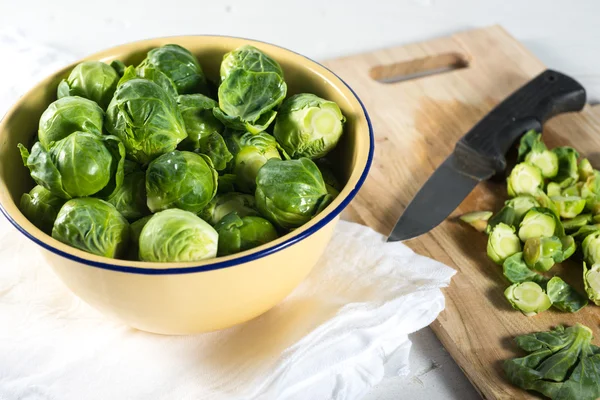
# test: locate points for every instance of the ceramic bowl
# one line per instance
(191, 297)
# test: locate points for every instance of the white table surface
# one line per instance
(563, 34)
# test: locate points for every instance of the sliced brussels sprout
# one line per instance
(308, 126)
(569, 207)
(527, 297)
(180, 179)
(507, 215)
(542, 198)
(243, 233)
(563, 296)
(502, 243)
(573, 190)
(130, 198)
(574, 224)
(92, 225)
(289, 193)
(567, 163)
(477, 219)
(591, 281)
(516, 271)
(67, 115)
(222, 204)
(92, 80)
(526, 144)
(522, 204)
(568, 248)
(176, 235)
(538, 222)
(524, 179)
(590, 187)
(584, 231)
(553, 189)
(200, 123)
(585, 169)
(591, 247)
(544, 159)
(41, 207)
(540, 253)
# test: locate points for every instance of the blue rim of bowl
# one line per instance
(244, 259)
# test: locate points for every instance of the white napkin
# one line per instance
(329, 339)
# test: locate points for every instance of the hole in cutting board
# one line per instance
(419, 68)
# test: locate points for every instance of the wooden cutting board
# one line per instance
(417, 123)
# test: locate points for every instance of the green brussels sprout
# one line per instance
(130, 198)
(563, 296)
(553, 189)
(146, 119)
(200, 123)
(567, 163)
(524, 179)
(577, 222)
(67, 115)
(92, 225)
(569, 207)
(522, 204)
(250, 153)
(332, 183)
(591, 281)
(544, 159)
(41, 207)
(590, 187)
(179, 65)
(180, 179)
(591, 247)
(222, 204)
(568, 248)
(176, 235)
(226, 183)
(502, 243)
(526, 144)
(507, 215)
(150, 74)
(477, 219)
(527, 297)
(540, 253)
(82, 164)
(243, 233)
(585, 169)
(289, 193)
(118, 66)
(135, 229)
(584, 231)
(516, 271)
(92, 80)
(592, 204)
(308, 126)
(252, 86)
(538, 222)
(573, 190)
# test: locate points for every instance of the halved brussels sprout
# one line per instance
(243, 233)
(585, 169)
(41, 207)
(179, 65)
(538, 222)
(567, 163)
(591, 280)
(527, 297)
(577, 222)
(524, 179)
(93, 80)
(522, 204)
(146, 119)
(477, 219)
(130, 198)
(544, 159)
(569, 207)
(82, 164)
(180, 179)
(67, 115)
(553, 189)
(591, 247)
(540, 253)
(573, 190)
(289, 193)
(502, 243)
(92, 225)
(568, 248)
(542, 198)
(516, 271)
(590, 188)
(176, 235)
(563, 296)
(308, 126)
(222, 204)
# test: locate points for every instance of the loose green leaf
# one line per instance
(563, 296)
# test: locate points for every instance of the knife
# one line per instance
(480, 154)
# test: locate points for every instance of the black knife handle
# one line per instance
(545, 96)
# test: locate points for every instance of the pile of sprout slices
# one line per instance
(157, 163)
(553, 213)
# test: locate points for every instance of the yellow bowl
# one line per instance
(184, 298)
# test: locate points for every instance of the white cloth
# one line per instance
(328, 340)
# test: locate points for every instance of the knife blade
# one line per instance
(480, 154)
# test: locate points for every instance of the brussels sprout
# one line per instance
(226, 183)
(507, 215)
(177, 236)
(180, 179)
(130, 198)
(524, 179)
(223, 204)
(516, 271)
(250, 153)
(332, 183)
(585, 169)
(591, 281)
(568, 248)
(251, 88)
(563, 296)
(68, 115)
(545, 201)
(573, 190)
(118, 66)
(591, 247)
(179, 65)
(150, 74)
(135, 229)
(477, 219)
(93, 80)
(577, 222)
(502, 243)
(146, 119)
(308, 126)
(538, 222)
(553, 189)
(584, 231)
(569, 207)
(527, 297)
(567, 163)
(540, 253)
(592, 204)
(526, 144)
(243, 233)
(200, 123)
(522, 204)
(544, 159)
(590, 187)
(92, 225)
(40, 207)
(289, 193)
(82, 164)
